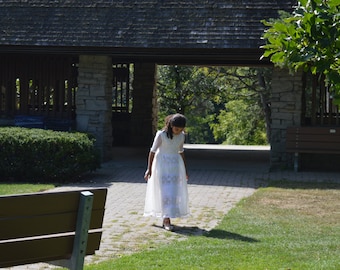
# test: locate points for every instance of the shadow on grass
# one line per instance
(215, 233)
(221, 234)
(302, 185)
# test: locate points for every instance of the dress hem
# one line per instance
(165, 216)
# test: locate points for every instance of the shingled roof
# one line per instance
(136, 26)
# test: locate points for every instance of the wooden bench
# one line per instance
(35, 121)
(59, 124)
(44, 227)
(29, 121)
(317, 140)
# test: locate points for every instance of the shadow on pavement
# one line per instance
(227, 159)
(205, 157)
(206, 166)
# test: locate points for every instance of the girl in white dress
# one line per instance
(166, 175)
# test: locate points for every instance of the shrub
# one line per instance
(45, 155)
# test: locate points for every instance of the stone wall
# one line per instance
(94, 100)
(286, 102)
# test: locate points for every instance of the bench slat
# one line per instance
(334, 131)
(44, 203)
(40, 250)
(314, 138)
(317, 146)
(18, 227)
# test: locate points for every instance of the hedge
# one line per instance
(45, 155)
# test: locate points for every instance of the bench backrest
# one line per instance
(29, 121)
(41, 227)
(313, 139)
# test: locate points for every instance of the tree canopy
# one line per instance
(223, 104)
(309, 38)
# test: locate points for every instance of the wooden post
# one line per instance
(83, 224)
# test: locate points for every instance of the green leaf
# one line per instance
(313, 69)
(278, 57)
(334, 3)
(303, 2)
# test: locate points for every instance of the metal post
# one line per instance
(83, 225)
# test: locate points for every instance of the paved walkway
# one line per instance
(219, 179)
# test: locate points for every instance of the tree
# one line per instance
(308, 39)
(203, 93)
(183, 88)
(245, 117)
(191, 91)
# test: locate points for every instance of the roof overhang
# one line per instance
(171, 56)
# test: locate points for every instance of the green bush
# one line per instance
(45, 155)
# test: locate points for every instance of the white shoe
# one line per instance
(168, 227)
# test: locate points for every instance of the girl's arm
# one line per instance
(185, 165)
(148, 170)
(181, 152)
(155, 145)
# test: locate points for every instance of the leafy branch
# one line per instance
(307, 39)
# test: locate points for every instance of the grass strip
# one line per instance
(283, 226)
(20, 188)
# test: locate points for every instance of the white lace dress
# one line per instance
(167, 191)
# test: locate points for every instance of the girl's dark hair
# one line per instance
(174, 120)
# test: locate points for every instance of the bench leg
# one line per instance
(83, 224)
(296, 162)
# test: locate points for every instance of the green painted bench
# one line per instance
(317, 140)
(51, 226)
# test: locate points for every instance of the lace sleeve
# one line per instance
(156, 142)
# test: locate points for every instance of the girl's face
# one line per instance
(177, 130)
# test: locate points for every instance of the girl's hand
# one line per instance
(147, 175)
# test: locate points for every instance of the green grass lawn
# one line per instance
(284, 226)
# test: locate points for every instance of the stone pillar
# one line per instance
(144, 110)
(286, 104)
(94, 100)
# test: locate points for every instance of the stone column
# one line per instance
(144, 110)
(286, 104)
(94, 100)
